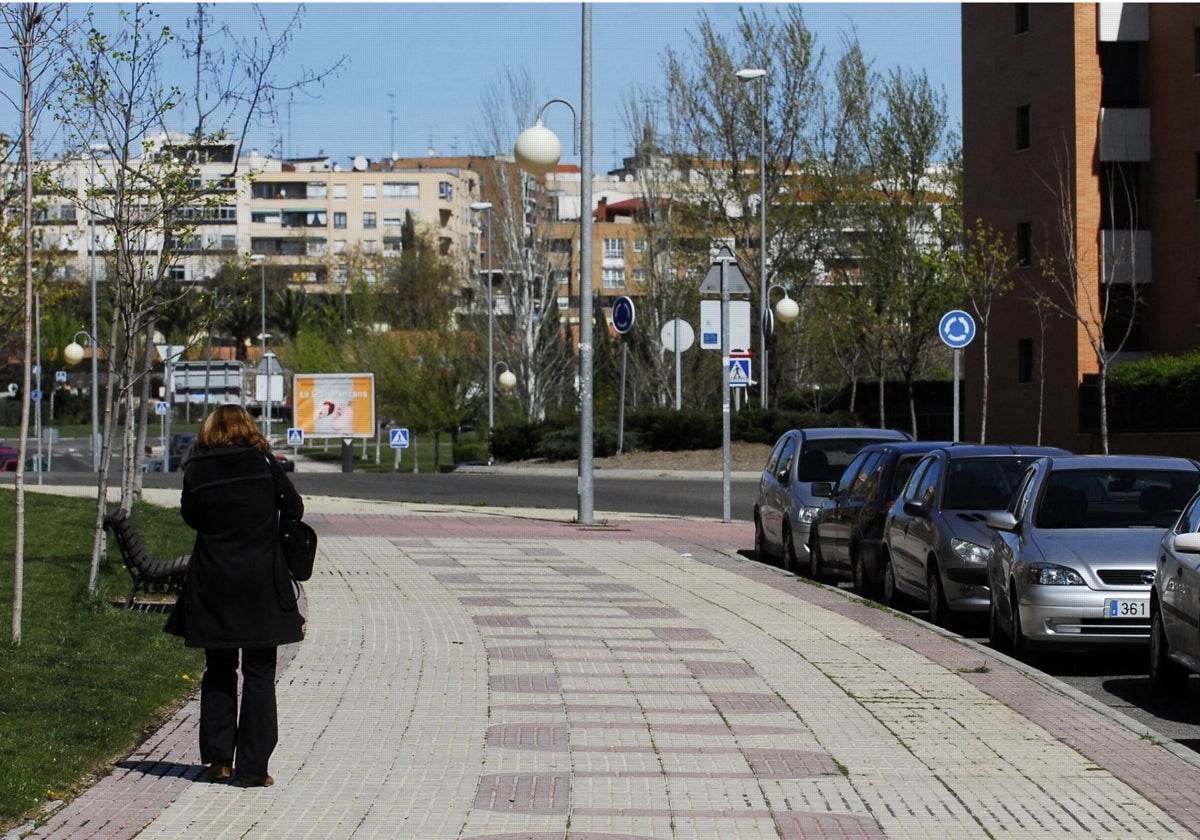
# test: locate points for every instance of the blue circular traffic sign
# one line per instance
(622, 314)
(956, 329)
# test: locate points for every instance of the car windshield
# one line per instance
(983, 483)
(1107, 498)
(825, 459)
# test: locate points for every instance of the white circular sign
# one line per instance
(677, 329)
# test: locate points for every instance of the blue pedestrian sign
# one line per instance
(739, 373)
(295, 437)
(399, 438)
(957, 329)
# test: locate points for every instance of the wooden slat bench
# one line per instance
(149, 574)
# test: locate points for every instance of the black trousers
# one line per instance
(248, 738)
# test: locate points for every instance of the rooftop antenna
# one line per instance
(430, 149)
(392, 136)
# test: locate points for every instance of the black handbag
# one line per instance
(299, 543)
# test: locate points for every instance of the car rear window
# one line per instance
(1106, 498)
(825, 459)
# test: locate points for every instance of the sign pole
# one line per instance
(956, 329)
(621, 400)
(725, 418)
(957, 354)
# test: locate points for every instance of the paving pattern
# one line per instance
(494, 676)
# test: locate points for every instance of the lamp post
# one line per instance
(73, 355)
(93, 148)
(537, 150)
(261, 259)
(481, 207)
(746, 75)
(507, 379)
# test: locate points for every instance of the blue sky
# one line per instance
(437, 59)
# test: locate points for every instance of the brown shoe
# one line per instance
(253, 781)
(219, 771)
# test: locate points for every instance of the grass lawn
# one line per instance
(89, 680)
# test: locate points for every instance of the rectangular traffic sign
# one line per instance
(739, 372)
(399, 438)
(295, 437)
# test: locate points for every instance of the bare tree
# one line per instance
(1104, 305)
(118, 102)
(35, 49)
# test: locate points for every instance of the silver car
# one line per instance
(935, 542)
(1175, 604)
(786, 505)
(1073, 557)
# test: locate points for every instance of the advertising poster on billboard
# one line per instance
(335, 405)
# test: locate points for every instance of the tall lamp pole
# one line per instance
(92, 278)
(537, 150)
(747, 75)
(261, 259)
(481, 207)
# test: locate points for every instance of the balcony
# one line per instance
(1125, 257)
(1125, 135)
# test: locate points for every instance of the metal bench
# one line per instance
(149, 574)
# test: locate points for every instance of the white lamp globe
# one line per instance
(787, 310)
(73, 353)
(507, 380)
(537, 150)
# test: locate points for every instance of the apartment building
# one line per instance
(1085, 113)
(304, 216)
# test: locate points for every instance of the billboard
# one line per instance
(340, 405)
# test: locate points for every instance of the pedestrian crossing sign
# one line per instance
(399, 438)
(739, 373)
(295, 437)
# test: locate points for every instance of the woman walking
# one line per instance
(239, 601)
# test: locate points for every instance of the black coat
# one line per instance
(239, 593)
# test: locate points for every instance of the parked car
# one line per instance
(786, 505)
(1175, 604)
(284, 461)
(1073, 555)
(848, 529)
(935, 539)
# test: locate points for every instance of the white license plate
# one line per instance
(1121, 608)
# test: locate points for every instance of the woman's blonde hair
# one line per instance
(230, 425)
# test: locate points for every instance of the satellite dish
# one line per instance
(337, 167)
(360, 164)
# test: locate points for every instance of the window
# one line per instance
(269, 217)
(316, 189)
(639, 245)
(1025, 360)
(339, 192)
(639, 275)
(393, 245)
(393, 221)
(1196, 51)
(1024, 127)
(560, 246)
(369, 221)
(560, 277)
(370, 246)
(1022, 17)
(445, 190)
(401, 189)
(614, 278)
(1025, 244)
(339, 246)
(339, 220)
(368, 192)
(1198, 176)
(614, 249)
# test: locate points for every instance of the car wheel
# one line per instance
(891, 596)
(816, 562)
(1020, 648)
(858, 570)
(996, 637)
(1166, 675)
(939, 611)
(790, 562)
(760, 542)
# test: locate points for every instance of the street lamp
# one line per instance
(537, 150)
(481, 207)
(73, 354)
(94, 148)
(507, 379)
(787, 310)
(746, 75)
(261, 259)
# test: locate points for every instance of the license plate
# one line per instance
(1119, 608)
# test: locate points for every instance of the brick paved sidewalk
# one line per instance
(493, 676)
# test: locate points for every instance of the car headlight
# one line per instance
(1047, 574)
(807, 515)
(971, 552)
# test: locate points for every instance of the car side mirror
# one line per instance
(823, 489)
(1001, 520)
(1187, 543)
(915, 508)
(784, 477)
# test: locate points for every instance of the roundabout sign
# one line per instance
(956, 329)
